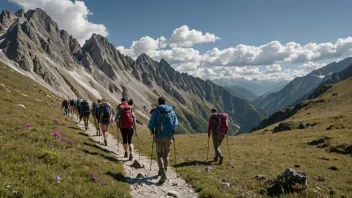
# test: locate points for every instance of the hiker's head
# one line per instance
(214, 110)
(99, 101)
(130, 102)
(161, 101)
(123, 99)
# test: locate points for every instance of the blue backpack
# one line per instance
(105, 111)
(166, 122)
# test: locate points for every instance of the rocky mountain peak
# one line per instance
(39, 15)
(6, 19)
(20, 13)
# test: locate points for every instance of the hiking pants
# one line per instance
(85, 119)
(127, 134)
(217, 140)
(163, 147)
(66, 110)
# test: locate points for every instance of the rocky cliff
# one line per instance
(32, 43)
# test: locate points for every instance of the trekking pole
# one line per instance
(151, 158)
(228, 146)
(139, 151)
(118, 139)
(175, 154)
(208, 148)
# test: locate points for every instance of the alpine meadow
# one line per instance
(239, 110)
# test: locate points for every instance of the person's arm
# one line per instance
(152, 121)
(117, 115)
(175, 123)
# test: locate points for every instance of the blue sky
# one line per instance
(251, 22)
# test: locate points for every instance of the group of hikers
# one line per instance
(162, 125)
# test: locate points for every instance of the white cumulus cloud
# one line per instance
(184, 37)
(70, 15)
(310, 66)
(274, 52)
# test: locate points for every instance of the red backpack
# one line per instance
(126, 116)
(220, 122)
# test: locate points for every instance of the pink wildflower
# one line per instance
(56, 120)
(94, 176)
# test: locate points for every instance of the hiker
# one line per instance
(126, 121)
(165, 121)
(218, 127)
(105, 116)
(84, 113)
(72, 105)
(78, 106)
(95, 114)
(65, 106)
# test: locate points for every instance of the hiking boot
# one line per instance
(162, 179)
(105, 142)
(216, 159)
(131, 157)
(160, 172)
(126, 155)
(221, 159)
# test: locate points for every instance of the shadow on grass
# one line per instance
(193, 163)
(75, 128)
(84, 134)
(98, 147)
(110, 158)
(145, 180)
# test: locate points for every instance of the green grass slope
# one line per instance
(327, 165)
(31, 159)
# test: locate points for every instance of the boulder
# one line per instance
(172, 193)
(136, 164)
(283, 126)
(260, 177)
(290, 181)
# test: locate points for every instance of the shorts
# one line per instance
(104, 122)
(127, 134)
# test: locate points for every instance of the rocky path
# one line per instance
(143, 182)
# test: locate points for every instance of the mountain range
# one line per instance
(299, 87)
(32, 44)
(257, 87)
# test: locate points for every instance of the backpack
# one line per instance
(97, 112)
(126, 116)
(72, 103)
(85, 106)
(166, 121)
(78, 103)
(105, 111)
(220, 122)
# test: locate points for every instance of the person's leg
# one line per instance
(130, 135)
(159, 152)
(220, 138)
(167, 149)
(104, 128)
(124, 140)
(215, 143)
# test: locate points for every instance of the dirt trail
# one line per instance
(147, 186)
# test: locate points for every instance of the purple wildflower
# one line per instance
(57, 134)
(72, 142)
(56, 120)
(28, 126)
(94, 176)
(57, 179)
